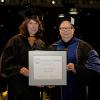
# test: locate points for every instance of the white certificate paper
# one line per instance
(47, 68)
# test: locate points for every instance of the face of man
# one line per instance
(66, 31)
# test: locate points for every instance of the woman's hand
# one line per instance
(24, 71)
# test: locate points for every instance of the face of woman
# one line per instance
(32, 27)
(66, 31)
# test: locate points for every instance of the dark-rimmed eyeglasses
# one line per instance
(65, 28)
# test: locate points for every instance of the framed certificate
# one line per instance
(47, 68)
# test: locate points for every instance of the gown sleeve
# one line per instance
(8, 60)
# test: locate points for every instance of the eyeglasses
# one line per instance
(65, 28)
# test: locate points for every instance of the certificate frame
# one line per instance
(39, 60)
